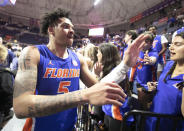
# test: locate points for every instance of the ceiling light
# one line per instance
(96, 2)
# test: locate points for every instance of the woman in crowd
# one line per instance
(168, 98)
(108, 59)
(90, 52)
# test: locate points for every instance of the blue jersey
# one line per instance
(145, 73)
(117, 112)
(157, 45)
(167, 100)
(56, 76)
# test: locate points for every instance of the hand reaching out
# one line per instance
(105, 93)
(132, 53)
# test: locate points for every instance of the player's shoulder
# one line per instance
(30, 52)
(30, 49)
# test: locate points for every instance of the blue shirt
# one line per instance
(56, 76)
(157, 45)
(167, 100)
(117, 112)
(146, 73)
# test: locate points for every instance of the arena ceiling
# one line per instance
(83, 12)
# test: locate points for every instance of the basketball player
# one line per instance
(47, 82)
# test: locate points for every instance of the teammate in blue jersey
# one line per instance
(160, 45)
(46, 86)
(169, 98)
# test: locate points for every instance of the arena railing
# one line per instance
(140, 119)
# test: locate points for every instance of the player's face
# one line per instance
(64, 32)
(99, 56)
(177, 49)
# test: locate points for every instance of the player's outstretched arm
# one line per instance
(131, 55)
(26, 104)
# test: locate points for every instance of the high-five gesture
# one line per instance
(129, 60)
(132, 53)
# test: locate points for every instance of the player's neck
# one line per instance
(58, 50)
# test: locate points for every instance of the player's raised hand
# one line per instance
(132, 53)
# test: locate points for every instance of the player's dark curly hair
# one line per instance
(51, 19)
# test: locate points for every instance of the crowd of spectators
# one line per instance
(152, 71)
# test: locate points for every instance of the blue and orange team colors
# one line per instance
(55, 76)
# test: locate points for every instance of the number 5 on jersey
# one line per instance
(63, 87)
